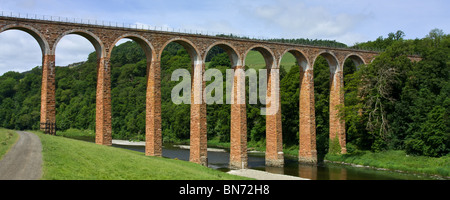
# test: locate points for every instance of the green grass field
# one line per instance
(255, 60)
(7, 139)
(70, 159)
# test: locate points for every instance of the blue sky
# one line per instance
(347, 21)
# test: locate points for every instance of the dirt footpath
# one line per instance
(24, 160)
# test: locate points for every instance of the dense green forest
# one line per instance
(392, 103)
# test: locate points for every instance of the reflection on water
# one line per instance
(327, 171)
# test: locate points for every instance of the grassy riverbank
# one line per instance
(392, 160)
(396, 160)
(72, 159)
(7, 139)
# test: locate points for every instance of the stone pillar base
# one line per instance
(279, 162)
(239, 165)
(311, 158)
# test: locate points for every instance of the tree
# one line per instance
(289, 89)
(322, 104)
(399, 35)
(220, 60)
(433, 139)
(381, 83)
(436, 36)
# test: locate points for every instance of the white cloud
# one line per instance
(19, 52)
(71, 49)
(297, 19)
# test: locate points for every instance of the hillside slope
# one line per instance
(69, 159)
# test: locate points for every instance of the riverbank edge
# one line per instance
(81, 160)
(249, 173)
(342, 159)
(290, 152)
(133, 143)
(385, 169)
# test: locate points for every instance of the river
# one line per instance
(323, 171)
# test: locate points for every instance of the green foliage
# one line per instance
(220, 60)
(394, 103)
(20, 99)
(335, 147)
(316, 42)
(396, 160)
(7, 139)
(322, 104)
(432, 139)
(290, 93)
(382, 43)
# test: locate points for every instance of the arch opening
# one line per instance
(264, 116)
(352, 64)
(330, 126)
(174, 57)
(189, 113)
(31, 31)
(20, 93)
(92, 38)
(322, 85)
(187, 45)
(221, 48)
(292, 66)
(130, 59)
(144, 44)
(75, 83)
(294, 57)
(219, 59)
(23, 46)
(332, 61)
(266, 54)
(256, 58)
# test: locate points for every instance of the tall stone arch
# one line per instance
(232, 52)
(274, 138)
(48, 102)
(94, 39)
(307, 124)
(103, 127)
(153, 138)
(198, 126)
(35, 33)
(266, 52)
(337, 125)
(356, 58)
(238, 123)
(145, 44)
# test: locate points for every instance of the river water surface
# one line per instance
(324, 171)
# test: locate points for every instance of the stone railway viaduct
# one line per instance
(48, 33)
